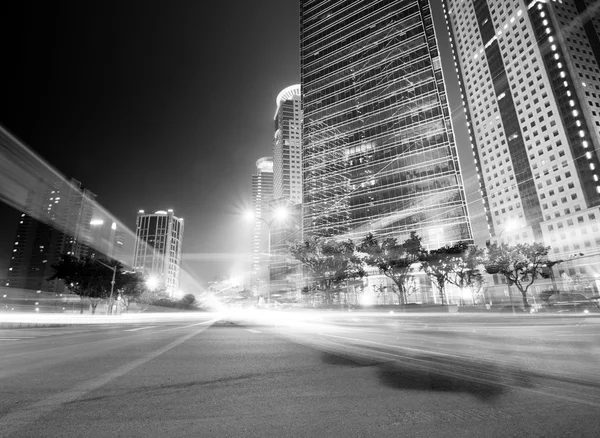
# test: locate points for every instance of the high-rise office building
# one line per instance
(530, 79)
(379, 153)
(56, 220)
(262, 195)
(107, 238)
(157, 251)
(287, 191)
(287, 146)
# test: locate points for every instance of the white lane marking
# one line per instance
(212, 321)
(14, 338)
(140, 328)
(9, 339)
(17, 420)
(253, 331)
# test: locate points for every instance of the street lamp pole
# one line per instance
(112, 285)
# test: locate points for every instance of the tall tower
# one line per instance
(157, 250)
(56, 221)
(287, 144)
(530, 79)
(379, 153)
(287, 191)
(262, 194)
(107, 238)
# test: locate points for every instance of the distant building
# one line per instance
(287, 193)
(530, 77)
(287, 146)
(285, 272)
(157, 249)
(262, 194)
(107, 238)
(56, 221)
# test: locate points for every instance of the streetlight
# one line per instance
(279, 213)
(510, 225)
(152, 282)
(112, 285)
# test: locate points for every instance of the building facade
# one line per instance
(262, 195)
(287, 192)
(530, 79)
(287, 146)
(107, 238)
(56, 220)
(379, 153)
(157, 251)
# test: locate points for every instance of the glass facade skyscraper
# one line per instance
(379, 153)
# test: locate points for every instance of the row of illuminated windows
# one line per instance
(580, 220)
(567, 211)
(573, 245)
(496, 174)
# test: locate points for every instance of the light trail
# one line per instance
(23, 172)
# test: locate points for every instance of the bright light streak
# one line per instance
(152, 282)
(511, 225)
(281, 213)
(368, 299)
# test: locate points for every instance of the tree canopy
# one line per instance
(394, 260)
(457, 264)
(85, 277)
(329, 261)
(520, 264)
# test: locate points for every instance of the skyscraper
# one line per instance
(379, 153)
(262, 194)
(107, 238)
(157, 251)
(287, 144)
(530, 79)
(287, 190)
(56, 221)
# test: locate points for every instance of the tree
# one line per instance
(188, 300)
(394, 260)
(520, 264)
(331, 262)
(456, 264)
(131, 286)
(149, 296)
(85, 277)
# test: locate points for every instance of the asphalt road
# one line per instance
(284, 375)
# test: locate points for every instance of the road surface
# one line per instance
(282, 375)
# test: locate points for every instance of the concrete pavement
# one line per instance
(218, 379)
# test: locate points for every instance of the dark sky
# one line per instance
(155, 105)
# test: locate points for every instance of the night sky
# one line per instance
(155, 105)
